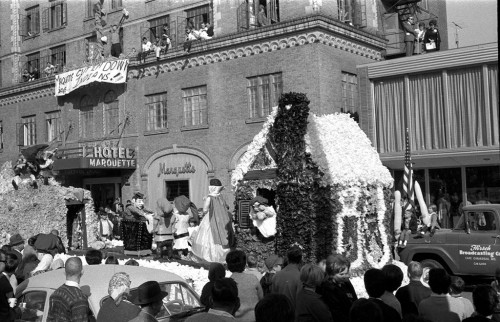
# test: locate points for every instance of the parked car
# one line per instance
(472, 248)
(33, 294)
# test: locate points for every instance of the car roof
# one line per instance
(97, 277)
(482, 207)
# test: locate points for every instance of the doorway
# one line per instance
(104, 191)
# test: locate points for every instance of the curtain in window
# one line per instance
(389, 115)
(467, 105)
(427, 113)
(492, 114)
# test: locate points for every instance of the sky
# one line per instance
(478, 19)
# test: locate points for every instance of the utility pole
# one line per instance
(456, 32)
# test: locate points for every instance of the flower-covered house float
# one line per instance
(324, 179)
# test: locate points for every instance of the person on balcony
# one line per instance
(189, 38)
(410, 35)
(26, 76)
(35, 74)
(432, 40)
(261, 17)
(49, 70)
(146, 48)
(203, 32)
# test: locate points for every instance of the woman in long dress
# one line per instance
(215, 235)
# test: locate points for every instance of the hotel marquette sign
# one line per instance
(110, 157)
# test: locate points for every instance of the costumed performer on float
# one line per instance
(184, 210)
(164, 236)
(263, 216)
(136, 212)
(215, 235)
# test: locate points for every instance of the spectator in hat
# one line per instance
(225, 302)
(249, 289)
(336, 290)
(273, 264)
(215, 235)
(150, 299)
(117, 307)
(216, 271)
(47, 244)
(16, 242)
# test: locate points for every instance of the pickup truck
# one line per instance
(472, 248)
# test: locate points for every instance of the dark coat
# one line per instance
(411, 295)
(339, 298)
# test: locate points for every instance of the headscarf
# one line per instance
(214, 190)
(119, 287)
(44, 263)
(216, 271)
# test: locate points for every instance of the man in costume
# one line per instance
(137, 237)
(164, 237)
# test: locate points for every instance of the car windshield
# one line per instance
(180, 299)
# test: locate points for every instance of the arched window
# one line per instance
(111, 114)
(86, 117)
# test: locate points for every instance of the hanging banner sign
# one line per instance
(113, 71)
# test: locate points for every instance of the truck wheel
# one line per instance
(430, 263)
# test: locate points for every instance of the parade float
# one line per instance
(330, 189)
(29, 211)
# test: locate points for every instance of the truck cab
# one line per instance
(472, 248)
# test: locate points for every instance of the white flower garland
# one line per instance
(349, 199)
(253, 149)
(335, 141)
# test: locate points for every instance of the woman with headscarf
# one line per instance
(216, 271)
(216, 235)
(117, 308)
(44, 265)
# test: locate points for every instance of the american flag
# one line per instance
(408, 183)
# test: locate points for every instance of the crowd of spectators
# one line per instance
(289, 290)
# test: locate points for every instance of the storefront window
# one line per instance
(483, 184)
(445, 187)
(177, 188)
(418, 175)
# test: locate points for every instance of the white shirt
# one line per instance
(146, 46)
(71, 283)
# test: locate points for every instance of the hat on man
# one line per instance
(272, 261)
(16, 239)
(215, 182)
(149, 292)
(138, 195)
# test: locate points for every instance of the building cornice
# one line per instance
(30, 91)
(313, 29)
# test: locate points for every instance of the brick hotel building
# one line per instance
(187, 116)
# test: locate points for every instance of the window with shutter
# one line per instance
(244, 213)
(23, 23)
(20, 134)
(45, 19)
